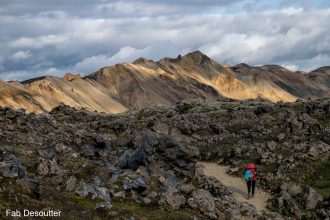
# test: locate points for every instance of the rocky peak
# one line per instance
(241, 65)
(193, 58)
(323, 70)
(34, 79)
(196, 53)
(197, 57)
(71, 76)
(140, 60)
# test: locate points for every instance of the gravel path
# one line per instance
(236, 185)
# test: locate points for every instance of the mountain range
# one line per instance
(144, 83)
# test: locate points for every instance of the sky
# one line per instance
(52, 37)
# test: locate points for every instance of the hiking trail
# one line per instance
(237, 185)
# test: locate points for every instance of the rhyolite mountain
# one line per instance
(145, 83)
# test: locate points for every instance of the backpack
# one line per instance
(249, 174)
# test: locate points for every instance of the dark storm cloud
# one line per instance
(40, 39)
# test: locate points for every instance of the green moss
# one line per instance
(268, 168)
(286, 153)
(230, 140)
(155, 186)
(19, 150)
(126, 208)
(320, 179)
(121, 178)
(266, 138)
(89, 203)
(203, 132)
(4, 204)
(235, 128)
(87, 173)
(194, 182)
(79, 160)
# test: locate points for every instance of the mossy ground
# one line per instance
(126, 208)
(320, 178)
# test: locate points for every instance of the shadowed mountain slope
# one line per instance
(297, 84)
(321, 77)
(144, 83)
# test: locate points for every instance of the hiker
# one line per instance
(250, 176)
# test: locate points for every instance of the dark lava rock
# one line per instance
(134, 182)
(132, 159)
(9, 165)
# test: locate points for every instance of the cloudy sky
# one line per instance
(39, 37)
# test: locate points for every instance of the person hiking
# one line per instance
(250, 176)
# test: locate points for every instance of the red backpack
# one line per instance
(253, 173)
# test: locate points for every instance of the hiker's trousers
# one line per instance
(251, 185)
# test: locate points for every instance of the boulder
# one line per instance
(10, 166)
(203, 201)
(152, 197)
(70, 184)
(43, 169)
(291, 189)
(87, 150)
(280, 137)
(295, 125)
(134, 182)
(294, 200)
(211, 184)
(272, 145)
(92, 189)
(120, 194)
(103, 143)
(312, 198)
(49, 167)
(174, 199)
(132, 159)
(103, 205)
(187, 188)
(47, 152)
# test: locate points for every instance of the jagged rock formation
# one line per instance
(142, 164)
(144, 83)
(71, 76)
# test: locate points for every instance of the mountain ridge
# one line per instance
(145, 82)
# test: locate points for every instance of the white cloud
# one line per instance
(21, 55)
(291, 67)
(24, 74)
(38, 42)
(236, 48)
(315, 62)
(125, 54)
(292, 10)
(100, 34)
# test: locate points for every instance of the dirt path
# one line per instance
(236, 185)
